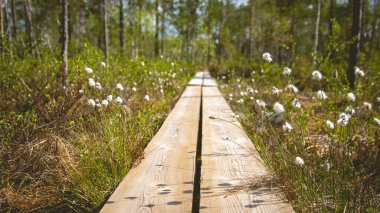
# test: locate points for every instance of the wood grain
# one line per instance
(233, 179)
(163, 181)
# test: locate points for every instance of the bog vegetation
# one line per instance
(85, 84)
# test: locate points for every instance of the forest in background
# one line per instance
(66, 141)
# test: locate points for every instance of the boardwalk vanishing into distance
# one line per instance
(201, 160)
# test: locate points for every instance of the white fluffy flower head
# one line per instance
(267, 57)
(287, 127)
(292, 88)
(321, 95)
(286, 71)
(277, 107)
(91, 82)
(330, 124)
(359, 72)
(296, 103)
(91, 102)
(351, 97)
(119, 87)
(316, 75)
(367, 105)
(88, 70)
(119, 100)
(299, 161)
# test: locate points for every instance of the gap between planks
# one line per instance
(190, 167)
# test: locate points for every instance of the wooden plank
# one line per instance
(230, 163)
(163, 181)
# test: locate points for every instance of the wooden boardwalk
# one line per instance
(171, 178)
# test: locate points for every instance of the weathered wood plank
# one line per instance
(163, 181)
(230, 162)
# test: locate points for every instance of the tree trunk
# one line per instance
(251, 31)
(374, 31)
(317, 34)
(9, 31)
(14, 19)
(30, 30)
(162, 28)
(1, 18)
(1, 27)
(105, 29)
(131, 27)
(331, 22)
(156, 36)
(121, 26)
(65, 39)
(355, 45)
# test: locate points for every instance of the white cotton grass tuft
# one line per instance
(103, 64)
(349, 111)
(351, 97)
(261, 103)
(146, 97)
(119, 87)
(316, 75)
(378, 99)
(359, 72)
(344, 119)
(321, 95)
(296, 103)
(267, 57)
(142, 64)
(105, 102)
(277, 107)
(134, 89)
(299, 161)
(377, 121)
(286, 71)
(91, 102)
(287, 127)
(81, 91)
(330, 124)
(119, 100)
(367, 105)
(98, 86)
(109, 98)
(91, 82)
(276, 91)
(292, 88)
(88, 70)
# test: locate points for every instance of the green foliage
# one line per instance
(340, 172)
(85, 150)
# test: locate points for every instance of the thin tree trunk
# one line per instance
(331, 30)
(121, 26)
(355, 45)
(317, 34)
(1, 27)
(208, 32)
(156, 36)
(105, 29)
(14, 19)
(65, 39)
(9, 31)
(82, 20)
(30, 30)
(131, 27)
(251, 31)
(162, 28)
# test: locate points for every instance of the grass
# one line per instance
(340, 171)
(62, 154)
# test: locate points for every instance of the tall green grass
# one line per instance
(60, 153)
